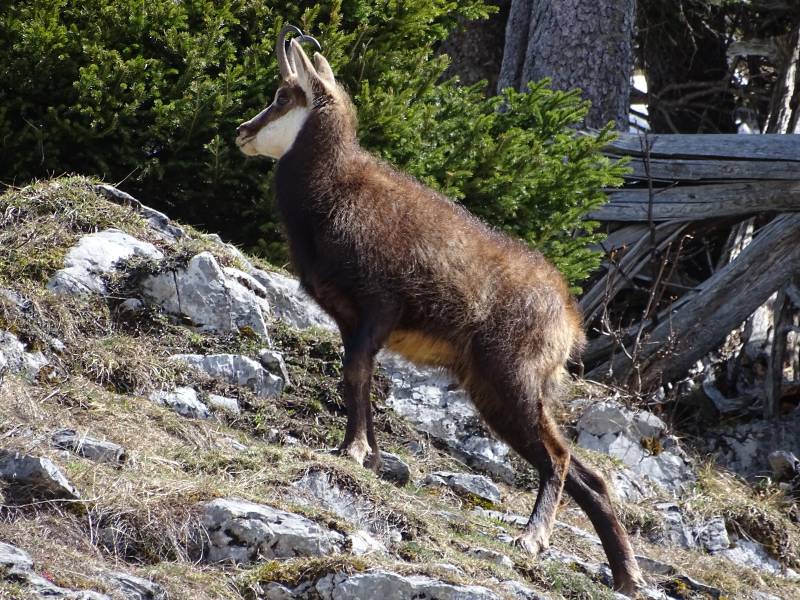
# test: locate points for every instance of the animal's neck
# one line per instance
(328, 135)
(308, 175)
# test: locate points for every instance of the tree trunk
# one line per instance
(584, 44)
(476, 48)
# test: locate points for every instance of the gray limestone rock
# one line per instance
(392, 586)
(598, 571)
(785, 465)
(674, 529)
(492, 556)
(632, 437)
(134, 588)
(752, 554)
(431, 401)
(229, 405)
(16, 565)
(14, 560)
(744, 448)
(630, 487)
(96, 255)
(521, 592)
(212, 298)
(96, 450)
(236, 369)
(158, 221)
(33, 478)
(712, 535)
(394, 468)
(16, 359)
(184, 401)
(289, 303)
(318, 488)
(361, 543)
(242, 531)
(272, 360)
(476, 485)
(130, 307)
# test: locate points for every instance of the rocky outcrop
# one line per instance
(184, 401)
(432, 402)
(492, 556)
(319, 488)
(239, 531)
(210, 297)
(639, 439)
(134, 588)
(15, 358)
(16, 566)
(237, 370)
(394, 468)
(87, 447)
(744, 448)
(289, 303)
(379, 584)
(29, 478)
(160, 222)
(96, 255)
(476, 486)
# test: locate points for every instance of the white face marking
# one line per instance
(276, 137)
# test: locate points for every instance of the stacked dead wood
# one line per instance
(705, 231)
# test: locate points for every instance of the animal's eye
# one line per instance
(282, 99)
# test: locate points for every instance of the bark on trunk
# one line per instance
(584, 44)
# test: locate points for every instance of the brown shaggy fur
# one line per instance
(397, 265)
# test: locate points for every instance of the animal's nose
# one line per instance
(241, 130)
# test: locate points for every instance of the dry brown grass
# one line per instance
(143, 517)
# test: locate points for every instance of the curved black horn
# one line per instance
(311, 39)
(280, 49)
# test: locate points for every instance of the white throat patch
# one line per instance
(275, 138)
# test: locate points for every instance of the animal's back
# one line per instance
(457, 277)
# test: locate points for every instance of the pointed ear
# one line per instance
(324, 69)
(306, 73)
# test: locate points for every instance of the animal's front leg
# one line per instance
(358, 365)
(360, 347)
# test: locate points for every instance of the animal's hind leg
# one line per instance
(513, 406)
(551, 457)
(591, 493)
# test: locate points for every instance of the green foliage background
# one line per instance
(149, 93)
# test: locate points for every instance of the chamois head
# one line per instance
(304, 88)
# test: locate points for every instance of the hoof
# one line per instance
(532, 543)
(356, 450)
(631, 585)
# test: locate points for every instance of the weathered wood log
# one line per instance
(723, 146)
(696, 169)
(619, 273)
(694, 203)
(720, 303)
(773, 382)
(621, 238)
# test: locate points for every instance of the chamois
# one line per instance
(398, 265)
